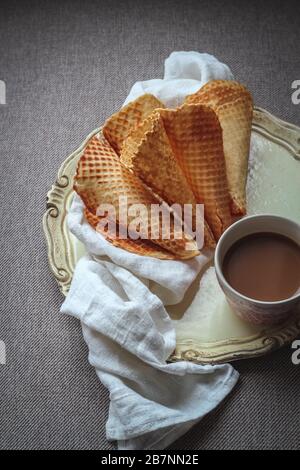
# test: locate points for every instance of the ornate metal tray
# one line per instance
(206, 332)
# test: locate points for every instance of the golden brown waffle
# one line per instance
(102, 179)
(120, 124)
(233, 105)
(195, 135)
(147, 151)
(218, 92)
(139, 246)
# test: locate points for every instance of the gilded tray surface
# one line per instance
(64, 251)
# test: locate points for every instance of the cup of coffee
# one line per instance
(257, 262)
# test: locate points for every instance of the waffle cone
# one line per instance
(148, 152)
(233, 105)
(195, 136)
(102, 179)
(117, 128)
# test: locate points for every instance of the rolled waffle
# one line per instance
(195, 136)
(233, 105)
(148, 152)
(139, 246)
(117, 128)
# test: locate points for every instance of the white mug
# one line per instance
(252, 310)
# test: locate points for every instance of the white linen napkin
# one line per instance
(185, 73)
(119, 298)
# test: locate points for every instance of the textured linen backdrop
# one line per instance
(67, 66)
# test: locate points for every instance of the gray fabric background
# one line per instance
(67, 66)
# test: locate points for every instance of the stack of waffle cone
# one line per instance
(233, 105)
(101, 179)
(194, 154)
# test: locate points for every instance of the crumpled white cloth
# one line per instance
(185, 73)
(119, 298)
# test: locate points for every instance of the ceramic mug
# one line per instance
(251, 310)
